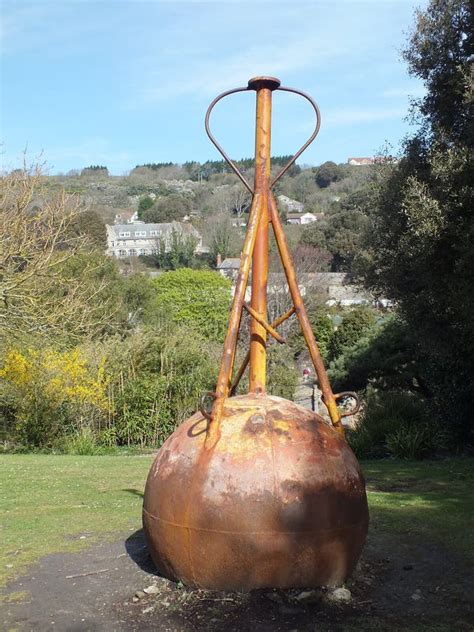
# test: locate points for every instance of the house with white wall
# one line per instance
(133, 240)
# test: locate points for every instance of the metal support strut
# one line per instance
(263, 212)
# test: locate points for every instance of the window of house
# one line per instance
(140, 233)
(127, 234)
(155, 233)
(142, 251)
(132, 252)
(122, 253)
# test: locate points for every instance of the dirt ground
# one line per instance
(397, 586)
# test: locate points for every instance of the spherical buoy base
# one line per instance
(278, 501)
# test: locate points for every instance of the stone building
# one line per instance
(133, 240)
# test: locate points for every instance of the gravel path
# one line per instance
(112, 586)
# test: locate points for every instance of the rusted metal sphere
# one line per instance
(278, 501)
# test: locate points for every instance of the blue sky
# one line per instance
(121, 82)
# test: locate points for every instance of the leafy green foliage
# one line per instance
(144, 204)
(224, 240)
(418, 248)
(322, 327)
(282, 377)
(90, 225)
(179, 253)
(356, 323)
(157, 382)
(386, 355)
(173, 207)
(154, 166)
(339, 234)
(398, 424)
(94, 170)
(327, 173)
(198, 299)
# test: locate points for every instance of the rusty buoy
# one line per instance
(279, 501)
(258, 491)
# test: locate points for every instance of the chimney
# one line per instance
(218, 259)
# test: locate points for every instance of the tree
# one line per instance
(89, 224)
(145, 203)
(328, 172)
(167, 209)
(339, 234)
(354, 326)
(179, 252)
(95, 170)
(222, 239)
(419, 243)
(50, 284)
(197, 299)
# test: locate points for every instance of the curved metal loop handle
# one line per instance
(214, 141)
(352, 395)
(290, 162)
(206, 412)
(310, 139)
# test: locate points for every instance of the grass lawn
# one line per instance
(48, 502)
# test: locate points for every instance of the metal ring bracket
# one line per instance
(351, 395)
(206, 412)
(231, 164)
(214, 141)
(310, 139)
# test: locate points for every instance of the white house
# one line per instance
(303, 218)
(360, 162)
(133, 240)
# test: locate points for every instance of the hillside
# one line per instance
(211, 198)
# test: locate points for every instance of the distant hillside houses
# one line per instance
(360, 162)
(126, 217)
(337, 288)
(303, 218)
(133, 240)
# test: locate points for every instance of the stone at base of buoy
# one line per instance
(278, 501)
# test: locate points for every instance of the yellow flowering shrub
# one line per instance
(48, 389)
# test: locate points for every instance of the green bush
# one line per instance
(83, 443)
(416, 442)
(356, 324)
(282, 377)
(322, 327)
(396, 424)
(197, 299)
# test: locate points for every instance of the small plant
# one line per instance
(416, 442)
(396, 424)
(83, 443)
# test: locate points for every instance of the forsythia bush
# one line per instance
(46, 392)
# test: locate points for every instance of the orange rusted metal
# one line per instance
(302, 315)
(278, 321)
(279, 501)
(258, 335)
(256, 316)
(258, 491)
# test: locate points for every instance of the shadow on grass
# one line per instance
(135, 492)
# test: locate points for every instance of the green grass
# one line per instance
(48, 501)
(428, 500)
